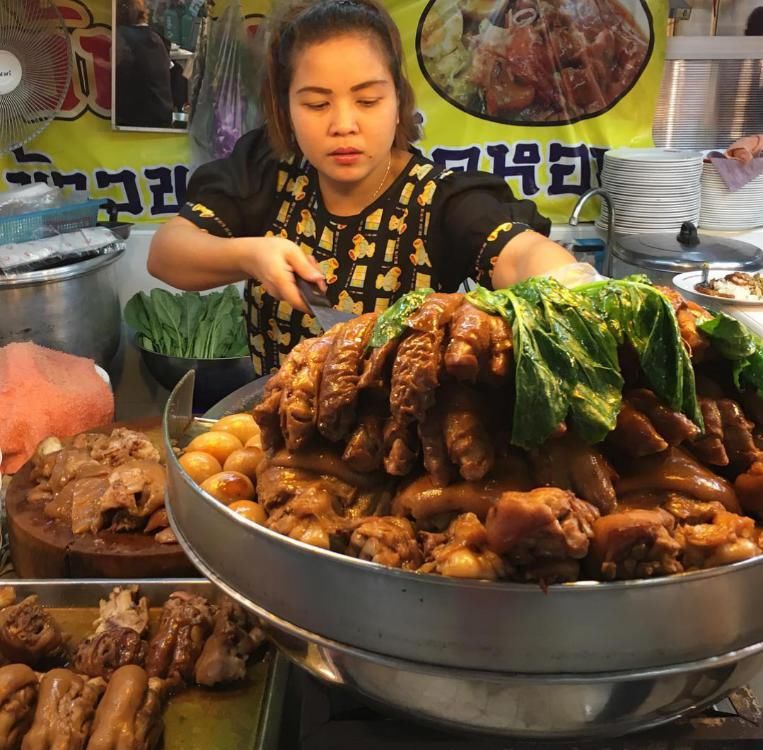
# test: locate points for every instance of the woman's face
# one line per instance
(343, 108)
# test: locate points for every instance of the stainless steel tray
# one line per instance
(239, 717)
(576, 628)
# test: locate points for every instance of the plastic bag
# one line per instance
(226, 105)
(575, 274)
(63, 249)
(37, 196)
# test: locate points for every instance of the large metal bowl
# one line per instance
(215, 378)
(571, 628)
(526, 705)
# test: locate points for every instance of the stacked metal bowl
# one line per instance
(576, 660)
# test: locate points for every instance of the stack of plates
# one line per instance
(652, 189)
(724, 210)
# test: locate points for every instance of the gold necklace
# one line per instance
(384, 179)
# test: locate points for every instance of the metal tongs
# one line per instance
(318, 304)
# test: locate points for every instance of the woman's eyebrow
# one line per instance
(313, 90)
(356, 87)
(366, 84)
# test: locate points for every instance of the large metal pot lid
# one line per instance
(62, 273)
(687, 251)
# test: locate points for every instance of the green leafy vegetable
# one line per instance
(637, 313)
(565, 358)
(540, 401)
(189, 324)
(586, 356)
(730, 338)
(749, 371)
(391, 323)
(736, 343)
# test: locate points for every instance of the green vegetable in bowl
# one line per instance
(189, 324)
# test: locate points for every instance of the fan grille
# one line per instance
(34, 40)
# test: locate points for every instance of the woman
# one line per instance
(754, 25)
(331, 190)
(143, 94)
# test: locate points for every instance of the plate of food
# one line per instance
(724, 287)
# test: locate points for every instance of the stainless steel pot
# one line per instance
(661, 256)
(74, 308)
(520, 705)
(585, 627)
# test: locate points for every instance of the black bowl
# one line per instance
(215, 378)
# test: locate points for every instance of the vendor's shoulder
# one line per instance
(254, 148)
(472, 178)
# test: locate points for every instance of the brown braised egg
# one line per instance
(199, 465)
(245, 461)
(242, 425)
(217, 444)
(227, 486)
(249, 510)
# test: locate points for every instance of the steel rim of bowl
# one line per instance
(397, 573)
(713, 662)
(63, 273)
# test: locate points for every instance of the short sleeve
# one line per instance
(475, 215)
(233, 197)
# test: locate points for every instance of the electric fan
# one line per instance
(35, 65)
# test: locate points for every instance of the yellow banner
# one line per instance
(536, 95)
(145, 174)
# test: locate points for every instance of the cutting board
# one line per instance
(43, 547)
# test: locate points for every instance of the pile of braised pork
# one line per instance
(98, 482)
(401, 453)
(108, 692)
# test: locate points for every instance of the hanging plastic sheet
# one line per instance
(226, 106)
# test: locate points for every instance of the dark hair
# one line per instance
(131, 12)
(755, 22)
(308, 22)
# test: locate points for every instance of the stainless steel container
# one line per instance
(662, 256)
(577, 660)
(583, 627)
(522, 705)
(74, 308)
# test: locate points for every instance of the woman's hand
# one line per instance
(189, 258)
(528, 254)
(274, 261)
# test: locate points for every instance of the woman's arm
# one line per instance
(189, 258)
(528, 254)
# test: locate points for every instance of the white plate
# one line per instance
(687, 281)
(653, 154)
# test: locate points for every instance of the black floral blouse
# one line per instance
(432, 227)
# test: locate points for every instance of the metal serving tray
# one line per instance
(239, 717)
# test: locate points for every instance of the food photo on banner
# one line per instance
(534, 92)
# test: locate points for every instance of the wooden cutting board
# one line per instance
(43, 547)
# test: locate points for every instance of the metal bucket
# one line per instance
(74, 308)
